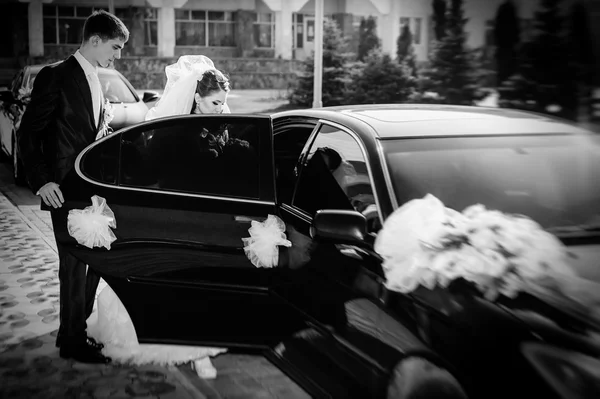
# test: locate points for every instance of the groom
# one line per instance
(62, 118)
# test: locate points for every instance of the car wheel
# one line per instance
(18, 171)
(415, 378)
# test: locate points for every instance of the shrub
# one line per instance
(380, 80)
(335, 74)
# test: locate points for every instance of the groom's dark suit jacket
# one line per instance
(58, 123)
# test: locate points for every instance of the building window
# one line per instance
(264, 31)
(190, 27)
(150, 21)
(221, 28)
(415, 26)
(417, 30)
(298, 30)
(205, 28)
(64, 24)
(151, 26)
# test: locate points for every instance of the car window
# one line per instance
(114, 89)
(102, 161)
(335, 176)
(550, 178)
(288, 143)
(195, 155)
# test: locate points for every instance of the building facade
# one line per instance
(244, 28)
(262, 38)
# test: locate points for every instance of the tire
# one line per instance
(18, 170)
(418, 378)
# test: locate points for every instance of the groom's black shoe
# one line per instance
(90, 341)
(83, 352)
(94, 344)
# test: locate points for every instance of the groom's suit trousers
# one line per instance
(77, 291)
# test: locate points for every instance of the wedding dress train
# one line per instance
(112, 326)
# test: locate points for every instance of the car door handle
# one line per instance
(243, 219)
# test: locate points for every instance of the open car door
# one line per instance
(184, 191)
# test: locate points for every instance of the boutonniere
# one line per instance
(107, 117)
(24, 95)
(108, 112)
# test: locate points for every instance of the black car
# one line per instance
(182, 208)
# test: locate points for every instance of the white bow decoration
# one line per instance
(265, 237)
(91, 226)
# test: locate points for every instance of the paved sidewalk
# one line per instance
(29, 363)
(30, 366)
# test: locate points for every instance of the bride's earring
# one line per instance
(197, 100)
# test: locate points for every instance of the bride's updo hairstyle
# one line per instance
(212, 80)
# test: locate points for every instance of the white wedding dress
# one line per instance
(111, 324)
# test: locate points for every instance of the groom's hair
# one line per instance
(105, 25)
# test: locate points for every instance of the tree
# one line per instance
(580, 43)
(381, 80)
(439, 18)
(451, 72)
(367, 37)
(546, 80)
(335, 72)
(506, 39)
(405, 50)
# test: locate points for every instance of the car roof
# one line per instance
(428, 120)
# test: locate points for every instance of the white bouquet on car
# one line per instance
(425, 243)
(25, 94)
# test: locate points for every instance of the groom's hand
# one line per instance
(51, 195)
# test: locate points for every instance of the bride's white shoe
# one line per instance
(204, 368)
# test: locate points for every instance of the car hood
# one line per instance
(574, 327)
(547, 316)
(586, 261)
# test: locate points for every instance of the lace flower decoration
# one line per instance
(425, 243)
(265, 237)
(91, 226)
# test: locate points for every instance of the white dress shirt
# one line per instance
(91, 74)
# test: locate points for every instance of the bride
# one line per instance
(194, 86)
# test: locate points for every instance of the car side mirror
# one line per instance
(340, 227)
(150, 96)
